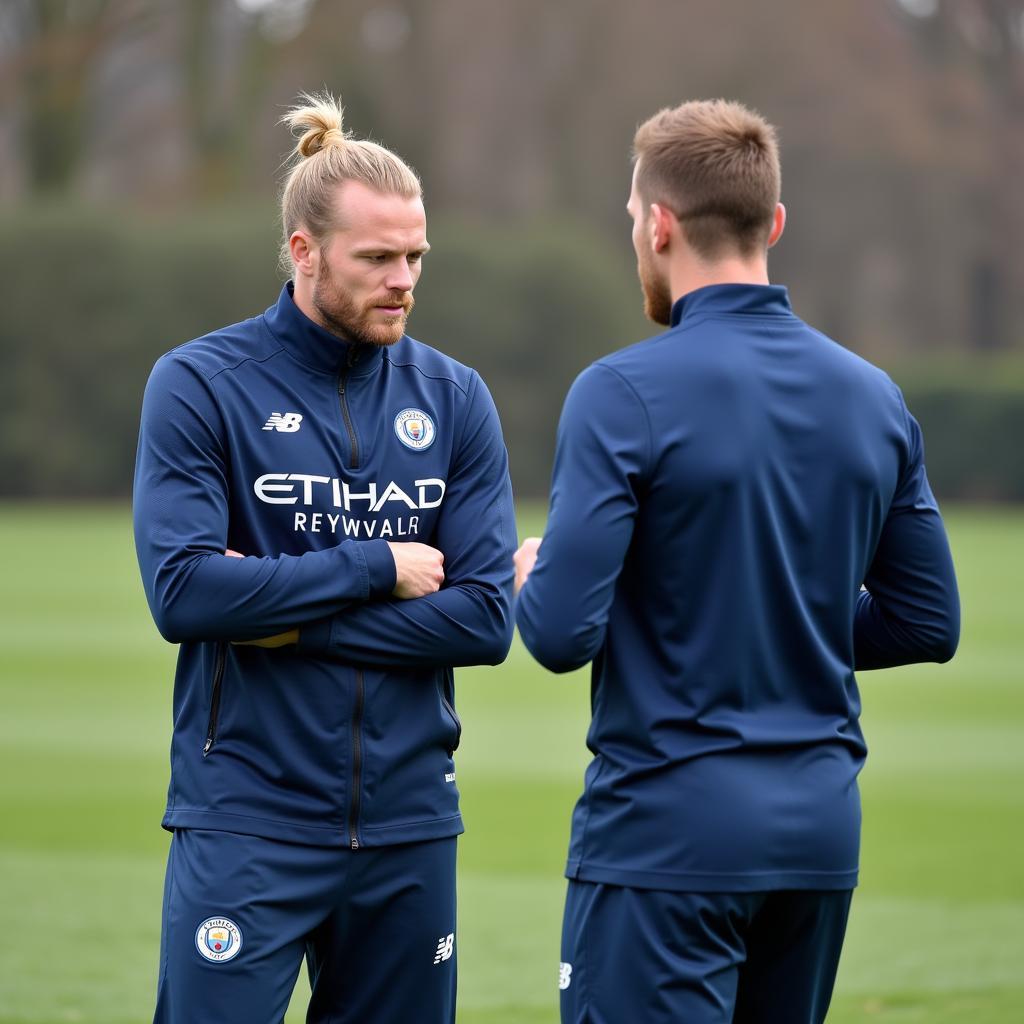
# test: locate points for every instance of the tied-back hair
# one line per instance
(715, 165)
(325, 155)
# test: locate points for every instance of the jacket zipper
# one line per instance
(357, 710)
(357, 762)
(345, 413)
(455, 718)
(218, 676)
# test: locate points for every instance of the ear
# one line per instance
(778, 224)
(662, 221)
(304, 252)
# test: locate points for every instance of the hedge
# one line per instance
(93, 297)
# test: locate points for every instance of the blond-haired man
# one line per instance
(324, 523)
(721, 492)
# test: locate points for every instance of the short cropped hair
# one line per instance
(715, 165)
(324, 157)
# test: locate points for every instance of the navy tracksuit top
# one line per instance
(720, 494)
(308, 455)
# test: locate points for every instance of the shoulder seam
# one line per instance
(247, 359)
(214, 397)
(643, 408)
(234, 366)
(435, 376)
(457, 448)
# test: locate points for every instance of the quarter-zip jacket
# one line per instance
(720, 493)
(308, 455)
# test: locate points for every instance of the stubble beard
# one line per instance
(343, 317)
(657, 296)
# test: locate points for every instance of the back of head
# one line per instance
(325, 156)
(715, 165)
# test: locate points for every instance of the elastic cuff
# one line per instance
(380, 565)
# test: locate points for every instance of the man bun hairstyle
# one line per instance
(315, 125)
(715, 165)
(324, 157)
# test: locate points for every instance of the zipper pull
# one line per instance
(207, 745)
(354, 844)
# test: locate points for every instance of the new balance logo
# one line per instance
(444, 948)
(564, 976)
(286, 424)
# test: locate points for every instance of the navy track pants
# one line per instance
(636, 956)
(376, 926)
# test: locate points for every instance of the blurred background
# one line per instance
(140, 158)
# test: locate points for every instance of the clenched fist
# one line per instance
(525, 559)
(419, 569)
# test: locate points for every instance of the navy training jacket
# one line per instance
(275, 439)
(720, 494)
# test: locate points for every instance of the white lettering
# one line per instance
(261, 487)
(308, 481)
(324, 522)
(423, 485)
(350, 496)
(280, 489)
(393, 493)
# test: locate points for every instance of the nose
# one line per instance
(400, 277)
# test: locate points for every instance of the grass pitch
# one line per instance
(937, 928)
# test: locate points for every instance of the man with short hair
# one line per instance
(720, 494)
(324, 523)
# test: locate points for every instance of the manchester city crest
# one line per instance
(415, 429)
(218, 939)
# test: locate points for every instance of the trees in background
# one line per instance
(150, 128)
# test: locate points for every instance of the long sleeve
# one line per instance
(909, 610)
(180, 510)
(603, 446)
(468, 621)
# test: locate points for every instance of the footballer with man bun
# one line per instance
(324, 523)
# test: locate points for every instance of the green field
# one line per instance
(937, 930)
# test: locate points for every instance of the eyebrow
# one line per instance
(366, 250)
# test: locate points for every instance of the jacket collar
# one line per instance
(732, 299)
(314, 345)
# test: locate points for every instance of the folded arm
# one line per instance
(469, 620)
(180, 510)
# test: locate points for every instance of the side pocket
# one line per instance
(448, 687)
(218, 679)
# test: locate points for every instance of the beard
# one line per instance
(343, 316)
(657, 297)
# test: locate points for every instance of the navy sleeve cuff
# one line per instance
(380, 567)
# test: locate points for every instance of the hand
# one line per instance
(278, 640)
(524, 560)
(419, 569)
